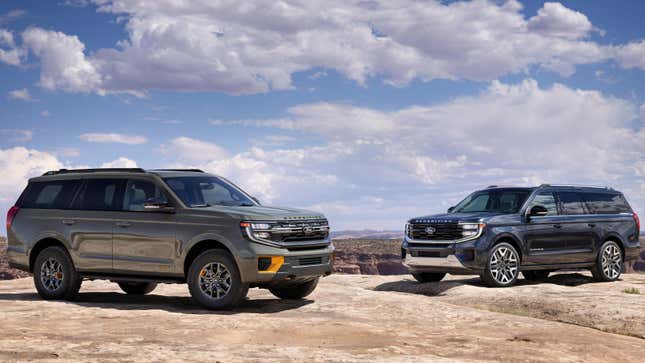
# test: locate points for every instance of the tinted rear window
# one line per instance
(606, 203)
(571, 203)
(49, 195)
(101, 194)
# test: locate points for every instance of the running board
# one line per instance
(132, 278)
(561, 266)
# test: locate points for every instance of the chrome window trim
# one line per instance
(605, 215)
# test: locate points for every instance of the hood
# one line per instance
(457, 217)
(265, 213)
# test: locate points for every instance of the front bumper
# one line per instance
(420, 262)
(298, 265)
(448, 257)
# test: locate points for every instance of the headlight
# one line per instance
(257, 230)
(471, 229)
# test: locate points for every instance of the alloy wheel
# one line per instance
(504, 265)
(215, 280)
(611, 261)
(51, 274)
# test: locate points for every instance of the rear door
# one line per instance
(577, 228)
(90, 222)
(144, 240)
(44, 207)
(542, 234)
(608, 211)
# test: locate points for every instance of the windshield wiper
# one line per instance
(205, 205)
(247, 205)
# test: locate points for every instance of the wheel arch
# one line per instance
(512, 240)
(41, 245)
(199, 247)
(614, 237)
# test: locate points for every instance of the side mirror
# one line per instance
(451, 209)
(256, 200)
(538, 211)
(155, 205)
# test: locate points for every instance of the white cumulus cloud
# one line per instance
(113, 138)
(20, 94)
(554, 19)
(121, 162)
(254, 47)
(422, 159)
(9, 52)
(631, 55)
(62, 61)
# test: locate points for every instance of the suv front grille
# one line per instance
(440, 231)
(291, 232)
(306, 261)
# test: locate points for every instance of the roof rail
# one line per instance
(95, 170)
(194, 170)
(578, 186)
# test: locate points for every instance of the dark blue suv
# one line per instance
(498, 232)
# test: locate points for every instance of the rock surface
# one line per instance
(348, 318)
(369, 256)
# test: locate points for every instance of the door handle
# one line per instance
(557, 226)
(68, 222)
(591, 224)
(123, 224)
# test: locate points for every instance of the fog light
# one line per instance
(264, 263)
(270, 264)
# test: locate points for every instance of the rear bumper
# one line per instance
(18, 266)
(632, 252)
(18, 257)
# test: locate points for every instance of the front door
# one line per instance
(542, 234)
(144, 240)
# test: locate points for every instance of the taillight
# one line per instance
(10, 216)
(638, 222)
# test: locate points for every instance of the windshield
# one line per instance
(205, 191)
(496, 200)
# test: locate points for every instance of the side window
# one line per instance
(606, 203)
(101, 194)
(138, 192)
(547, 200)
(571, 203)
(50, 195)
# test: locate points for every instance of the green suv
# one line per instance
(139, 227)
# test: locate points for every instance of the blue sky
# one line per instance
(371, 112)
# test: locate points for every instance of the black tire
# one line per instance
(614, 260)
(295, 291)
(509, 271)
(428, 276)
(55, 276)
(203, 264)
(537, 275)
(137, 288)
